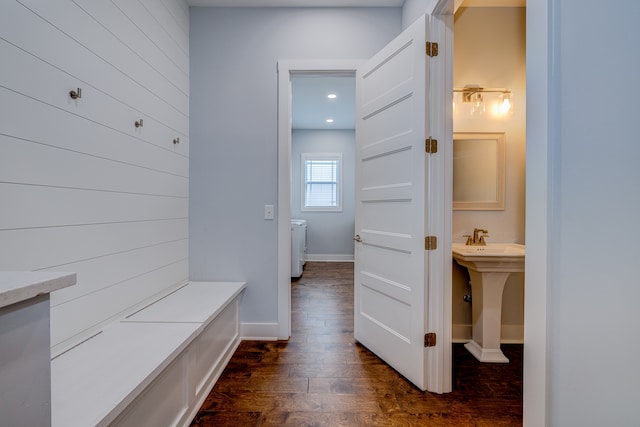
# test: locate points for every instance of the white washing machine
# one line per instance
(298, 246)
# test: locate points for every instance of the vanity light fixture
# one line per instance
(474, 95)
(332, 96)
(329, 120)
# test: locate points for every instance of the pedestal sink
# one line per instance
(489, 267)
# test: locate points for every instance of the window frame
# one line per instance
(304, 157)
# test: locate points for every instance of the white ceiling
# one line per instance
(311, 107)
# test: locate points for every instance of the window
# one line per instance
(322, 182)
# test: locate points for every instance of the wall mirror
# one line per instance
(478, 171)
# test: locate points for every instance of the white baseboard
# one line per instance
(259, 331)
(460, 333)
(329, 257)
(510, 334)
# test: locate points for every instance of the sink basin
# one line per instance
(491, 249)
(494, 257)
(489, 268)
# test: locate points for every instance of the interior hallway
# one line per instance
(322, 377)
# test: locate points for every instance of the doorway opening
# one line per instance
(399, 297)
(287, 72)
(489, 51)
(322, 167)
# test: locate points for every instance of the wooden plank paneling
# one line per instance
(95, 105)
(118, 103)
(149, 26)
(29, 163)
(84, 67)
(105, 271)
(168, 22)
(83, 189)
(124, 29)
(17, 115)
(180, 12)
(37, 206)
(111, 302)
(81, 27)
(55, 247)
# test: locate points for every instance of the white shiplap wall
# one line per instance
(81, 188)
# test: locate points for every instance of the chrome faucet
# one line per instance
(477, 239)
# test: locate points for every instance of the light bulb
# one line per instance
(505, 104)
(477, 103)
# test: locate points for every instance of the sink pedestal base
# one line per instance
(489, 267)
(486, 312)
(486, 355)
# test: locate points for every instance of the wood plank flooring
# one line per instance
(322, 377)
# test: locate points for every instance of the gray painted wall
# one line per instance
(413, 9)
(593, 159)
(233, 117)
(328, 233)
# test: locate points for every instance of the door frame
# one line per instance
(439, 364)
(541, 33)
(286, 69)
(440, 127)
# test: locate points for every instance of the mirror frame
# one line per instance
(486, 205)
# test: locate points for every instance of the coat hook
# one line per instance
(139, 123)
(176, 141)
(76, 94)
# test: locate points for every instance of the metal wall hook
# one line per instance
(176, 141)
(139, 123)
(76, 94)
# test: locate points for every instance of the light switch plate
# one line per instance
(268, 211)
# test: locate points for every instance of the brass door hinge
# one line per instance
(431, 146)
(432, 49)
(430, 243)
(430, 339)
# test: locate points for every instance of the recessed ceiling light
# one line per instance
(329, 120)
(332, 96)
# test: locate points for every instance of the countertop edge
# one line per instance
(18, 286)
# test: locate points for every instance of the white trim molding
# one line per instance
(509, 334)
(287, 68)
(259, 331)
(329, 257)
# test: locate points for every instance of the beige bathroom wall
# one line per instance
(489, 51)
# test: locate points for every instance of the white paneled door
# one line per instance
(391, 264)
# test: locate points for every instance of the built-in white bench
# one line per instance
(153, 368)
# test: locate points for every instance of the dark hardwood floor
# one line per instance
(322, 377)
